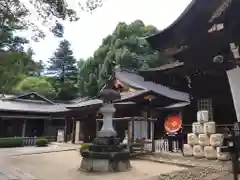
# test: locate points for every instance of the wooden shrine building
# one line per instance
(139, 98)
(204, 41)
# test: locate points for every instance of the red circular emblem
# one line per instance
(173, 123)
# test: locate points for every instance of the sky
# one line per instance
(86, 34)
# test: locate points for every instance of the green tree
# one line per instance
(125, 47)
(45, 10)
(91, 86)
(64, 64)
(36, 84)
(14, 66)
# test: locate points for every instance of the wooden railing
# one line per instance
(29, 141)
(162, 145)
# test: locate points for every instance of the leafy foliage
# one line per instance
(36, 84)
(14, 66)
(18, 71)
(125, 47)
(48, 12)
(41, 142)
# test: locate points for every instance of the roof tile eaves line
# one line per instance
(185, 11)
(185, 96)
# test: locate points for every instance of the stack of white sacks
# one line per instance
(204, 141)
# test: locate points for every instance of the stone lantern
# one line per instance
(106, 154)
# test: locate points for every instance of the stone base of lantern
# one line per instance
(105, 155)
(104, 165)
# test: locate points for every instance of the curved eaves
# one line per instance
(154, 39)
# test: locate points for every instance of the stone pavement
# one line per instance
(41, 160)
(8, 172)
(65, 166)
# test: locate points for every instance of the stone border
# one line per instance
(184, 162)
(43, 152)
(168, 162)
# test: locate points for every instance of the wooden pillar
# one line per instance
(24, 128)
(65, 129)
(77, 131)
(73, 130)
(132, 136)
(152, 135)
(97, 127)
(129, 134)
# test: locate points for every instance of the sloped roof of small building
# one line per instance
(21, 106)
(135, 80)
(24, 103)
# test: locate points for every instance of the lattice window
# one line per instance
(206, 104)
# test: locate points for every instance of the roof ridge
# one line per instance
(31, 93)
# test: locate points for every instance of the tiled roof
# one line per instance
(129, 95)
(86, 103)
(24, 106)
(135, 80)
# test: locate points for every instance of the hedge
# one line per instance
(11, 142)
(49, 138)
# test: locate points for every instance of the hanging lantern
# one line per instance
(173, 123)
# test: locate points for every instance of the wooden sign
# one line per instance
(173, 123)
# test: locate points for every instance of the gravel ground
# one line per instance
(198, 173)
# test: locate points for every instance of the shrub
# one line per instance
(84, 146)
(11, 142)
(41, 142)
(48, 138)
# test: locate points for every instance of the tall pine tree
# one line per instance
(64, 64)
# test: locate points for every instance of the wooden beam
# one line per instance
(5, 117)
(132, 118)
